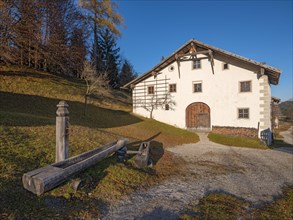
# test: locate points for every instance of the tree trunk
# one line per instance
(21, 57)
(85, 104)
(36, 58)
(29, 54)
(45, 64)
(95, 43)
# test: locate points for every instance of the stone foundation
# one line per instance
(236, 131)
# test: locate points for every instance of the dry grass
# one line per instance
(216, 206)
(27, 132)
(236, 141)
(278, 138)
(283, 126)
(55, 87)
(223, 206)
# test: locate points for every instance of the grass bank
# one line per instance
(236, 141)
(27, 133)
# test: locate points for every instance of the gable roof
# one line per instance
(273, 73)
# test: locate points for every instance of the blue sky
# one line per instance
(259, 30)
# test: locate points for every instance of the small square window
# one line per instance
(196, 64)
(151, 90)
(172, 88)
(243, 113)
(245, 86)
(197, 87)
(225, 66)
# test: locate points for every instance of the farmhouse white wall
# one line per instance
(220, 91)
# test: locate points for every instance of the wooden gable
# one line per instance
(191, 49)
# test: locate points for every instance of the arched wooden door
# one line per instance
(198, 115)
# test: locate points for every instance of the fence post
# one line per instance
(62, 131)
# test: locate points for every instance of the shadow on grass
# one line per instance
(31, 110)
(17, 203)
(93, 175)
(280, 145)
(277, 143)
(156, 152)
(156, 148)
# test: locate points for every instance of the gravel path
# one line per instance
(254, 175)
(288, 135)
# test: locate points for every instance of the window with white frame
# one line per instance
(197, 87)
(245, 86)
(196, 64)
(243, 113)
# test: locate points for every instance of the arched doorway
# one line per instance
(198, 116)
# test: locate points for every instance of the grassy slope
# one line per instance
(236, 141)
(287, 109)
(27, 133)
(250, 142)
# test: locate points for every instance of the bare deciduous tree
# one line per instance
(55, 36)
(165, 102)
(96, 83)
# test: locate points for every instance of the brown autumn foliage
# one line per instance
(53, 36)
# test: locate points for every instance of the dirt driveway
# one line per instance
(254, 175)
(288, 135)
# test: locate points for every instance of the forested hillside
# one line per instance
(287, 110)
(59, 36)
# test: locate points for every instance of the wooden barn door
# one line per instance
(198, 115)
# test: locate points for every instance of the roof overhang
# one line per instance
(219, 54)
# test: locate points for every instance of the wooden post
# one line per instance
(62, 134)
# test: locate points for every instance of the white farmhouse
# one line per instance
(203, 87)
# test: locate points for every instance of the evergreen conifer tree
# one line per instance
(110, 57)
(127, 73)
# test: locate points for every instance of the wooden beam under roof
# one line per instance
(194, 53)
(193, 56)
(211, 60)
(219, 54)
(178, 64)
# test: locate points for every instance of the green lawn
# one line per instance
(27, 133)
(236, 141)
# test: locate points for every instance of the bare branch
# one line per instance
(166, 102)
